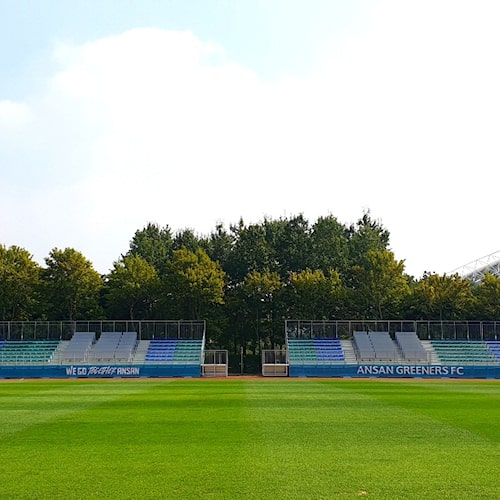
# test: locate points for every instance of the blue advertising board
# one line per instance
(394, 371)
(305, 370)
(101, 371)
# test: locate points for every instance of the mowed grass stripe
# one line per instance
(348, 443)
(145, 440)
(24, 403)
(462, 404)
(250, 439)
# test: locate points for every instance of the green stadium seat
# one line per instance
(27, 351)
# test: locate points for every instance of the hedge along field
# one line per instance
(243, 438)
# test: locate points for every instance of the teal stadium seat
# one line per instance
(463, 352)
(28, 351)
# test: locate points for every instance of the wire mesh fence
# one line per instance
(64, 330)
(425, 330)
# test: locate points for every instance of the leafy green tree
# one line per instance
(154, 244)
(289, 244)
(487, 295)
(250, 252)
(186, 238)
(329, 245)
(193, 284)
(219, 245)
(443, 297)
(367, 234)
(70, 286)
(19, 276)
(281, 246)
(314, 295)
(240, 328)
(261, 291)
(380, 285)
(132, 287)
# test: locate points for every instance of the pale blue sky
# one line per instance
(190, 112)
(271, 37)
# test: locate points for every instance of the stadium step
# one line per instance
(140, 353)
(56, 358)
(432, 356)
(349, 355)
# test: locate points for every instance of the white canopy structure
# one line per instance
(475, 270)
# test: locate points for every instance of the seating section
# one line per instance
(363, 347)
(105, 347)
(161, 350)
(126, 346)
(411, 347)
(375, 347)
(315, 351)
(494, 346)
(78, 347)
(463, 351)
(188, 351)
(114, 346)
(27, 351)
(174, 351)
(110, 347)
(385, 348)
(329, 350)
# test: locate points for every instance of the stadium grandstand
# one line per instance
(107, 349)
(474, 271)
(457, 349)
(392, 348)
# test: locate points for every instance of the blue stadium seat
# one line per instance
(315, 351)
(174, 351)
(494, 346)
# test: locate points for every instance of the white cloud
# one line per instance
(159, 126)
(14, 115)
(15, 120)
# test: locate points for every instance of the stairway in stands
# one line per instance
(349, 355)
(432, 356)
(142, 349)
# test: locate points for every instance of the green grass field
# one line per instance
(244, 438)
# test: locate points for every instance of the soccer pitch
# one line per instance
(246, 438)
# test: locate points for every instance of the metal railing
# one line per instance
(425, 329)
(64, 330)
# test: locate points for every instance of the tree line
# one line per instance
(244, 280)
